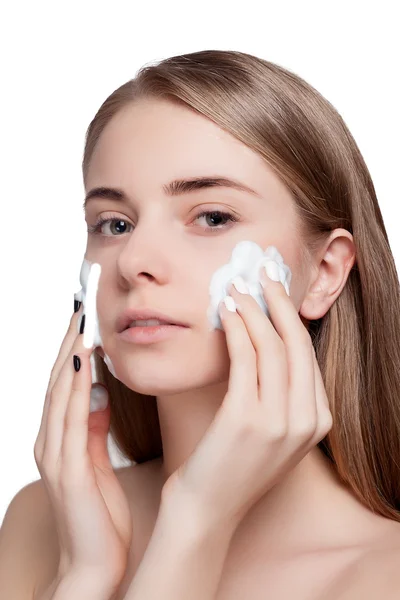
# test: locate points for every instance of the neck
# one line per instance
(308, 509)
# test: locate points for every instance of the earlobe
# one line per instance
(322, 294)
(314, 306)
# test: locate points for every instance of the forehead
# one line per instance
(153, 141)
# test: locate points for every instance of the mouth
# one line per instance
(145, 318)
(152, 323)
(147, 334)
(152, 326)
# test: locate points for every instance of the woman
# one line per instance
(231, 510)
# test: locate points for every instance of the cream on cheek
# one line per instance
(246, 260)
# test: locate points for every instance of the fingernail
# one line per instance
(82, 327)
(77, 305)
(230, 303)
(240, 284)
(98, 398)
(272, 270)
(77, 363)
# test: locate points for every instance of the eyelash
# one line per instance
(95, 229)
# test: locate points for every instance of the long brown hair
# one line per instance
(357, 342)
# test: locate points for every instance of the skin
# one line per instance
(149, 144)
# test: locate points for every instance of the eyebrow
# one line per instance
(178, 187)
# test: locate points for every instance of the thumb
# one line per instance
(98, 427)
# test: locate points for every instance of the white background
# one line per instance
(59, 61)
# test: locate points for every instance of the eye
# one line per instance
(95, 229)
(214, 215)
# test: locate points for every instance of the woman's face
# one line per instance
(163, 255)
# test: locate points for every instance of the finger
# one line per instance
(74, 450)
(271, 359)
(325, 418)
(98, 429)
(242, 384)
(302, 409)
(67, 343)
(59, 416)
(59, 399)
(63, 353)
(283, 313)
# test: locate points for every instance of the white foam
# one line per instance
(246, 260)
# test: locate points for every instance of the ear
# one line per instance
(328, 274)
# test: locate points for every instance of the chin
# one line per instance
(195, 366)
(157, 385)
(170, 383)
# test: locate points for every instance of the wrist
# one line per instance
(188, 513)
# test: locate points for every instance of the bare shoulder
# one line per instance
(139, 483)
(24, 540)
(382, 563)
(376, 572)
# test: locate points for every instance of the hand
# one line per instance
(93, 518)
(275, 410)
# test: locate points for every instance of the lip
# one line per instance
(149, 335)
(129, 315)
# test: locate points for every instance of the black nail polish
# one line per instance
(77, 305)
(82, 327)
(77, 363)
